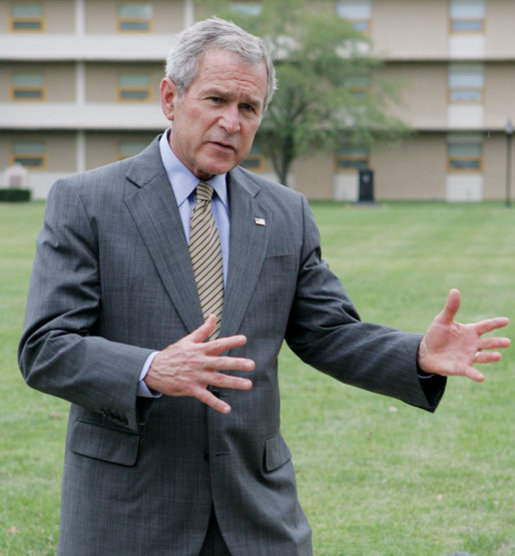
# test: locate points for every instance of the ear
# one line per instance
(168, 92)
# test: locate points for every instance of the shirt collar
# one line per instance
(183, 182)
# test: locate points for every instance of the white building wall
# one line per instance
(72, 116)
(466, 47)
(346, 186)
(464, 187)
(465, 116)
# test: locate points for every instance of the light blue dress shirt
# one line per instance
(183, 184)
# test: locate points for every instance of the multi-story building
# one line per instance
(79, 86)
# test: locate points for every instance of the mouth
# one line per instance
(223, 146)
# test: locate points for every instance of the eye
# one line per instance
(248, 108)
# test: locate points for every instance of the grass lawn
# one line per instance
(374, 476)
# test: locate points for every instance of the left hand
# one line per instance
(451, 349)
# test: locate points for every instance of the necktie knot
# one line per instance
(204, 191)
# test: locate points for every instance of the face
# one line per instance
(214, 122)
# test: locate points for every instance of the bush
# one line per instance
(14, 195)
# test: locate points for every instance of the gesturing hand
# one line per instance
(187, 367)
(450, 348)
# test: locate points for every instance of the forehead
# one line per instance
(226, 69)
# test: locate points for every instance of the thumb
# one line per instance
(451, 307)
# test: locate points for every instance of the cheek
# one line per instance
(191, 133)
(248, 133)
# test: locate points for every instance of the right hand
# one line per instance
(187, 367)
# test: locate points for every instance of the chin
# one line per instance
(211, 170)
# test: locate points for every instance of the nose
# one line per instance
(230, 119)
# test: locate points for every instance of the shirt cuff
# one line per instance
(143, 390)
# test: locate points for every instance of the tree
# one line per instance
(329, 94)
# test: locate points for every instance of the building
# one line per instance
(79, 88)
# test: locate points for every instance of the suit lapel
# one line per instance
(249, 239)
(154, 210)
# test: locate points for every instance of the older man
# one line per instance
(162, 290)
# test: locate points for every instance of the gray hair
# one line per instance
(183, 60)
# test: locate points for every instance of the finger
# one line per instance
(205, 396)
(222, 380)
(214, 347)
(487, 357)
(494, 342)
(227, 363)
(204, 330)
(451, 307)
(484, 326)
(474, 374)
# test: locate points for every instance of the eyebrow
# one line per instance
(217, 91)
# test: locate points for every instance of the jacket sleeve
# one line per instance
(59, 352)
(325, 331)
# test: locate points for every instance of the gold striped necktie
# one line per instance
(206, 256)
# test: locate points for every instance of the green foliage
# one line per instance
(14, 195)
(375, 476)
(319, 61)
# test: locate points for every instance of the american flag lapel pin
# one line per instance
(259, 221)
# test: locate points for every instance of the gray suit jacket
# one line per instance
(112, 281)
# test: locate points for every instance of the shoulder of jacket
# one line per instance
(108, 175)
(268, 187)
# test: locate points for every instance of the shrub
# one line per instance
(15, 195)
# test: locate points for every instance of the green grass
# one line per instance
(374, 476)
(32, 425)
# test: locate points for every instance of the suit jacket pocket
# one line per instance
(107, 444)
(277, 452)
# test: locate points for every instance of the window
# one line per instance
(30, 154)
(358, 13)
(246, 8)
(134, 87)
(358, 85)
(135, 17)
(28, 86)
(352, 159)
(464, 153)
(467, 16)
(466, 83)
(254, 161)
(27, 17)
(130, 148)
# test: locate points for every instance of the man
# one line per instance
(174, 443)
